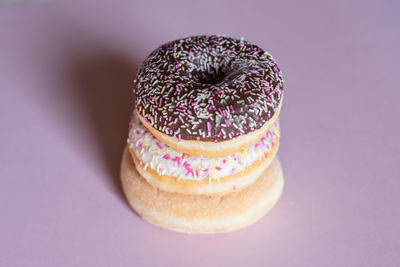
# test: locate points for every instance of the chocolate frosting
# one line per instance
(208, 88)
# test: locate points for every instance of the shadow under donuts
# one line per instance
(101, 86)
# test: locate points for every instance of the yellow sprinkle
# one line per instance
(243, 153)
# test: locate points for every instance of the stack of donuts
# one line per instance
(203, 138)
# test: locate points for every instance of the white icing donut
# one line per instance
(165, 160)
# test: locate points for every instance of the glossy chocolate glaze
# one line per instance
(208, 88)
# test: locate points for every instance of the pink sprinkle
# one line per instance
(218, 168)
(224, 161)
(208, 127)
(197, 173)
(234, 187)
(226, 122)
(166, 156)
(232, 108)
(130, 125)
(158, 145)
(247, 92)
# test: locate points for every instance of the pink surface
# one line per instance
(66, 74)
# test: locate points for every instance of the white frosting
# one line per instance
(165, 160)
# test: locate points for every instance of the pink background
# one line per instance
(66, 72)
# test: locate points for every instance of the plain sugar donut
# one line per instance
(201, 214)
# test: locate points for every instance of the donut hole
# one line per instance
(213, 77)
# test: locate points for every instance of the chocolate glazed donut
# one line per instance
(208, 88)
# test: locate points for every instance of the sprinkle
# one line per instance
(227, 123)
(158, 145)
